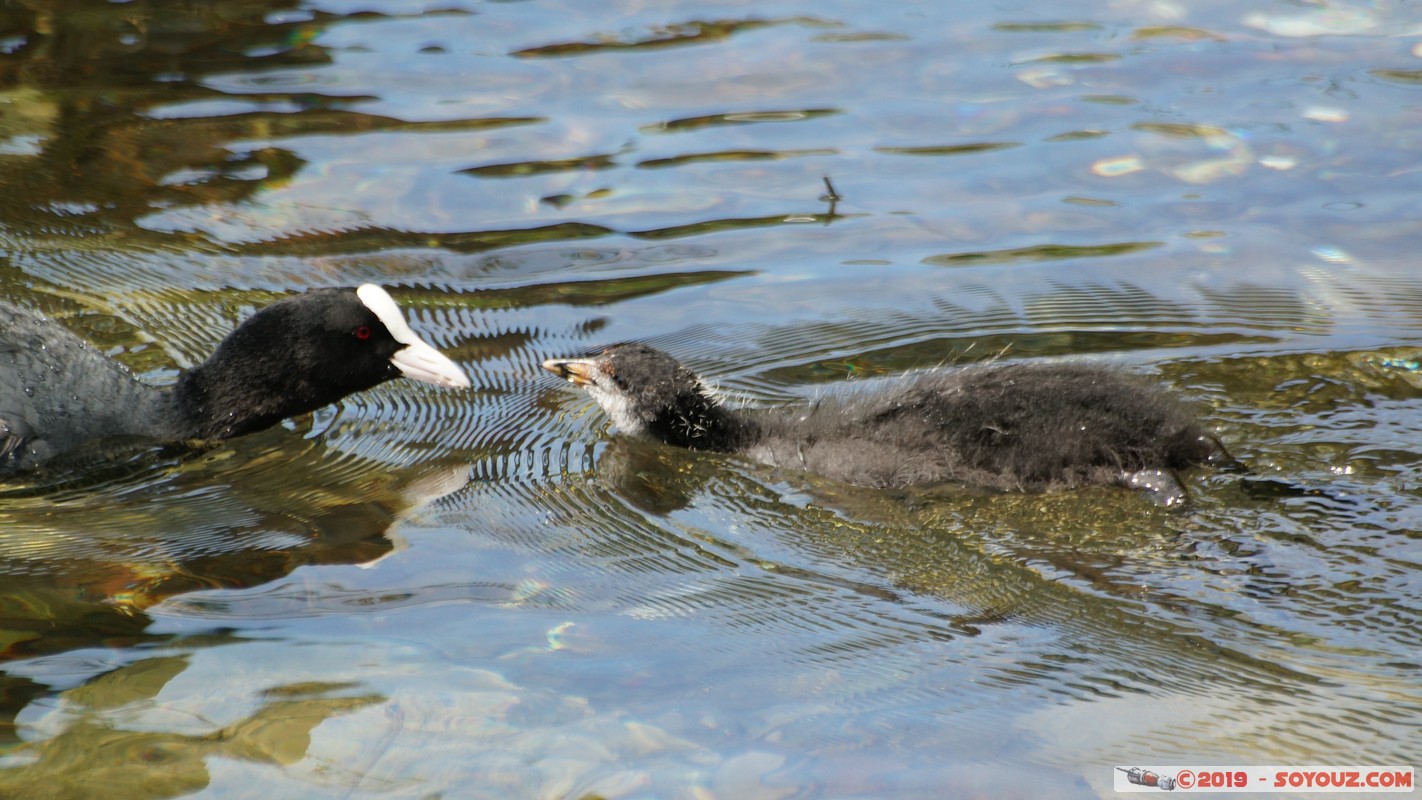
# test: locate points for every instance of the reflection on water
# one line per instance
(487, 595)
(91, 718)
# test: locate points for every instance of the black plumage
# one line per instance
(1012, 427)
(59, 395)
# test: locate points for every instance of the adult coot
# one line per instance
(59, 395)
(1028, 427)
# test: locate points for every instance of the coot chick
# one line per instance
(1010, 427)
(59, 396)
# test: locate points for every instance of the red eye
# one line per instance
(362, 333)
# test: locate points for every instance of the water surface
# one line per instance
(488, 594)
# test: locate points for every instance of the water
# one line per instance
(486, 594)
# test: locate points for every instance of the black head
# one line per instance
(647, 392)
(305, 352)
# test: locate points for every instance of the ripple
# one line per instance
(1078, 136)
(1181, 130)
(861, 36)
(1268, 307)
(1071, 58)
(675, 35)
(1176, 32)
(736, 118)
(304, 600)
(1408, 77)
(354, 236)
(1097, 306)
(1042, 252)
(1045, 27)
(730, 155)
(948, 150)
(523, 169)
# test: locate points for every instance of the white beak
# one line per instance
(416, 359)
(421, 362)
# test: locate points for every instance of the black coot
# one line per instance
(1026, 427)
(59, 395)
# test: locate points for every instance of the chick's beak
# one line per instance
(578, 371)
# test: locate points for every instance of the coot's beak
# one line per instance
(578, 371)
(416, 359)
(424, 363)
